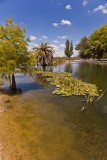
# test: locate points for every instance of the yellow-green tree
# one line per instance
(98, 41)
(13, 50)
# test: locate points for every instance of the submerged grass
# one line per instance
(66, 85)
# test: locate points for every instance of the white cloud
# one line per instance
(31, 46)
(45, 37)
(56, 48)
(55, 24)
(85, 2)
(75, 53)
(59, 53)
(68, 7)
(102, 8)
(55, 41)
(62, 45)
(65, 22)
(32, 38)
(62, 37)
(76, 43)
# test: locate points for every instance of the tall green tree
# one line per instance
(13, 50)
(98, 41)
(68, 48)
(44, 54)
(83, 48)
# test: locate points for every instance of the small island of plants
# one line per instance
(66, 85)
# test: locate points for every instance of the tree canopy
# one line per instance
(83, 47)
(95, 45)
(44, 54)
(98, 41)
(68, 48)
(13, 49)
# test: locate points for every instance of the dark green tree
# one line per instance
(68, 48)
(83, 48)
(13, 50)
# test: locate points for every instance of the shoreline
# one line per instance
(96, 61)
(3, 107)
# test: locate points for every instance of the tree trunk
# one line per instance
(13, 86)
(44, 61)
(9, 77)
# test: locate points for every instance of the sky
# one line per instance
(54, 21)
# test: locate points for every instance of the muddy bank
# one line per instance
(3, 100)
(10, 146)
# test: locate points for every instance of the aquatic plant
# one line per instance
(66, 85)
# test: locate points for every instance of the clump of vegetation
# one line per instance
(70, 86)
(66, 85)
(58, 60)
(52, 75)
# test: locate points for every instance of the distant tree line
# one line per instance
(94, 46)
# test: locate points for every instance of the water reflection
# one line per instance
(44, 126)
(68, 67)
(96, 74)
(24, 82)
(91, 73)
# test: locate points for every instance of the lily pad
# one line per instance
(66, 85)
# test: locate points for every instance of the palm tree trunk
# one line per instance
(44, 61)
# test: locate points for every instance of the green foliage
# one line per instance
(95, 45)
(68, 48)
(33, 59)
(58, 60)
(83, 47)
(13, 48)
(66, 85)
(98, 41)
(44, 54)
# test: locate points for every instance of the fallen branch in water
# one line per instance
(102, 94)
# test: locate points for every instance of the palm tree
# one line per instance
(44, 54)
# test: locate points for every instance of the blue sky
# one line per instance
(54, 21)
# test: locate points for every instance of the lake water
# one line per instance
(40, 126)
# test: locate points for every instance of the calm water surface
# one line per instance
(42, 126)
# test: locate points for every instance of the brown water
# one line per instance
(40, 126)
